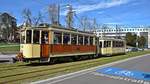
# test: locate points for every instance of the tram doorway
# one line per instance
(44, 44)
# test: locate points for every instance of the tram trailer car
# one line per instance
(46, 43)
(111, 46)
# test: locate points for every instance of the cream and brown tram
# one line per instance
(111, 46)
(45, 43)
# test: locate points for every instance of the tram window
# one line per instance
(91, 40)
(57, 38)
(108, 43)
(22, 40)
(114, 44)
(28, 36)
(74, 39)
(86, 40)
(105, 44)
(80, 40)
(44, 37)
(100, 44)
(36, 35)
(66, 38)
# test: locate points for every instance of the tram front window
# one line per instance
(22, 40)
(36, 35)
(28, 36)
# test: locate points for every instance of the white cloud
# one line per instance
(100, 12)
(101, 5)
(113, 23)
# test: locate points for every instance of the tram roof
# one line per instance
(111, 39)
(70, 30)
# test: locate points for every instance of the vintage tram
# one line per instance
(47, 43)
(44, 43)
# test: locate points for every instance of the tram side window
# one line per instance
(57, 37)
(80, 40)
(74, 39)
(44, 37)
(108, 43)
(66, 38)
(114, 44)
(91, 40)
(28, 36)
(86, 40)
(122, 44)
(36, 35)
(117, 44)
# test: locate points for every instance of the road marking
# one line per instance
(82, 72)
(121, 78)
(125, 73)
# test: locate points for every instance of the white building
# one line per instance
(115, 32)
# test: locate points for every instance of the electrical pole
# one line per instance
(69, 17)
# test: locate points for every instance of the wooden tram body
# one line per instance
(44, 43)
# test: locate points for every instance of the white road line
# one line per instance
(82, 72)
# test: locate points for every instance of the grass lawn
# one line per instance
(9, 47)
(25, 72)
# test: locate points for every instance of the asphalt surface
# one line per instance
(93, 77)
(6, 57)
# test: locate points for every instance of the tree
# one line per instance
(36, 20)
(53, 11)
(131, 39)
(27, 16)
(141, 41)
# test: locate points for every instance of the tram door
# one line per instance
(44, 44)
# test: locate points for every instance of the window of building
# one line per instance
(57, 37)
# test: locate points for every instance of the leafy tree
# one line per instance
(131, 39)
(141, 41)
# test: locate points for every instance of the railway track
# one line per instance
(43, 72)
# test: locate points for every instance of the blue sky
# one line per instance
(136, 12)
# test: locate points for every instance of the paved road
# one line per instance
(93, 77)
(6, 58)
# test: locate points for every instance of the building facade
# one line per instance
(120, 32)
(7, 27)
